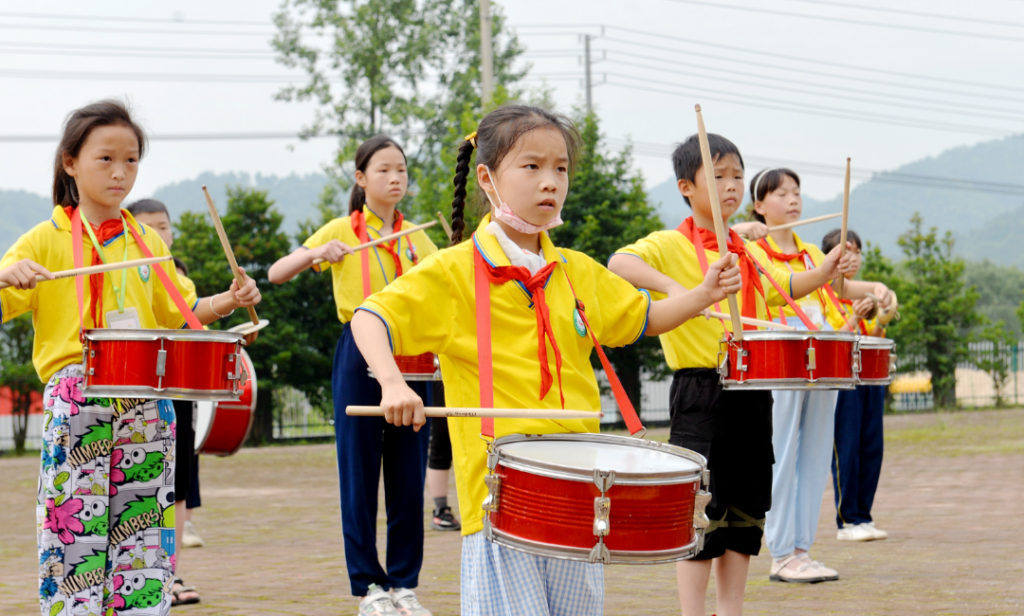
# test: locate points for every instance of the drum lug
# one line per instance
(892, 363)
(602, 511)
(600, 554)
(856, 361)
(741, 354)
(705, 476)
(604, 480)
(161, 362)
(700, 502)
(493, 498)
(812, 362)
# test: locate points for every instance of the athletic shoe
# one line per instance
(444, 519)
(855, 532)
(827, 573)
(407, 604)
(377, 603)
(191, 539)
(878, 533)
(799, 571)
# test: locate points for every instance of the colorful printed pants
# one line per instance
(105, 510)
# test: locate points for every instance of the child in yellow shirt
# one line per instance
(540, 347)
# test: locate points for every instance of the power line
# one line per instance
(878, 9)
(77, 46)
(92, 29)
(815, 109)
(134, 54)
(135, 19)
(846, 20)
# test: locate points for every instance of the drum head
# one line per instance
(204, 421)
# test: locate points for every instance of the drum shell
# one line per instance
(197, 365)
(552, 513)
(417, 367)
(876, 360)
(230, 421)
(782, 360)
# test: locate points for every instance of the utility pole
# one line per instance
(589, 83)
(486, 52)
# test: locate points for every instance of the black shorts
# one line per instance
(184, 448)
(733, 430)
(439, 453)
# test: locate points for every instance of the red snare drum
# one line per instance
(182, 364)
(877, 360)
(788, 360)
(417, 367)
(596, 498)
(222, 427)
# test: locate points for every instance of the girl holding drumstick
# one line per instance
(95, 168)
(541, 348)
(364, 444)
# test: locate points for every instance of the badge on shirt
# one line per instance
(144, 273)
(577, 322)
(813, 312)
(409, 254)
(129, 319)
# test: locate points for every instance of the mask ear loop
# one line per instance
(490, 174)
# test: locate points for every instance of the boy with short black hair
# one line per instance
(731, 428)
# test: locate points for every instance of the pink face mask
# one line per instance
(505, 214)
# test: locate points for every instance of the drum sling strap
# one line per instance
(482, 288)
(744, 521)
(179, 301)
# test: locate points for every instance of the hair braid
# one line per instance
(459, 202)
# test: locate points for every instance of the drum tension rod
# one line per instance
(604, 480)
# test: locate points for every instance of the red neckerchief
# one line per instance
(535, 287)
(860, 322)
(748, 271)
(106, 231)
(392, 248)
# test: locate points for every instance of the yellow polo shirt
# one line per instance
(348, 274)
(694, 344)
(432, 308)
(54, 305)
(817, 305)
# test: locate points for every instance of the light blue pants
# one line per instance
(803, 424)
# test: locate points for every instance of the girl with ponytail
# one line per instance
(365, 444)
(538, 341)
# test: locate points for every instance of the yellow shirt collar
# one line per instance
(796, 238)
(372, 219)
(63, 223)
(493, 254)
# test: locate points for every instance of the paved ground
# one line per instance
(951, 497)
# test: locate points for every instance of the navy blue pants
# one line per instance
(857, 459)
(363, 443)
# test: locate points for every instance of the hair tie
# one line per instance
(471, 137)
(757, 184)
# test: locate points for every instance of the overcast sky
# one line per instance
(769, 105)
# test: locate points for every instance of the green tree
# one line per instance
(18, 375)
(938, 309)
(406, 68)
(298, 347)
(994, 357)
(607, 209)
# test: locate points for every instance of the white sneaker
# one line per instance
(407, 604)
(377, 603)
(855, 532)
(190, 538)
(878, 533)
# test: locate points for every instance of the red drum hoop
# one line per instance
(223, 427)
(877, 360)
(423, 367)
(162, 363)
(789, 360)
(596, 498)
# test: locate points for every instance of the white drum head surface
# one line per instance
(588, 456)
(204, 419)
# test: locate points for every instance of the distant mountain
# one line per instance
(294, 195)
(20, 211)
(1000, 240)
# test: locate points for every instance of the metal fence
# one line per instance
(296, 418)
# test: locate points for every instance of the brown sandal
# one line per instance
(179, 589)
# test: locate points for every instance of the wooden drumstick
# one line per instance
(99, 269)
(840, 284)
(227, 250)
(440, 411)
(754, 322)
(716, 213)
(386, 238)
(447, 227)
(806, 221)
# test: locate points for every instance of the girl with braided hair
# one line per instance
(365, 444)
(539, 344)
